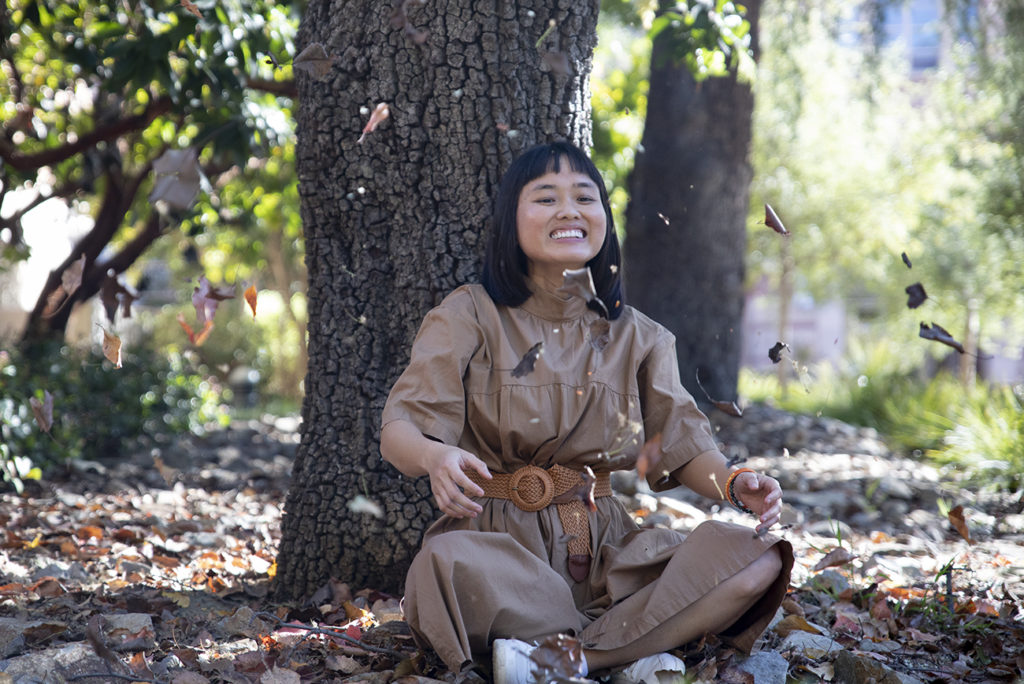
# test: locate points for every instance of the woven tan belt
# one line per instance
(531, 488)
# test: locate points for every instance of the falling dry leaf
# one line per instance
(959, 522)
(525, 365)
(206, 298)
(178, 178)
(113, 295)
(775, 353)
(196, 339)
(191, 7)
(663, 218)
(361, 504)
(580, 283)
(558, 62)
(43, 411)
(906, 259)
(650, 455)
(112, 348)
(71, 278)
(771, 219)
(314, 60)
(400, 20)
(250, 298)
(837, 556)
(558, 658)
(939, 334)
(380, 113)
(728, 407)
(600, 333)
(915, 295)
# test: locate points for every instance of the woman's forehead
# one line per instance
(565, 176)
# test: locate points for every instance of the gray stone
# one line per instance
(53, 665)
(767, 667)
(129, 631)
(855, 669)
(813, 646)
(829, 580)
(16, 635)
(894, 488)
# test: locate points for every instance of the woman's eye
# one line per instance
(586, 198)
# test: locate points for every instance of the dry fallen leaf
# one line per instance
(775, 353)
(939, 334)
(314, 60)
(959, 522)
(191, 7)
(380, 113)
(112, 348)
(250, 298)
(178, 178)
(43, 411)
(113, 295)
(771, 219)
(196, 339)
(580, 283)
(915, 295)
(728, 407)
(206, 298)
(650, 455)
(837, 556)
(71, 278)
(794, 623)
(525, 365)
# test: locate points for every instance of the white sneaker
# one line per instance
(512, 664)
(661, 668)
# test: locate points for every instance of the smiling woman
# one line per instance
(518, 414)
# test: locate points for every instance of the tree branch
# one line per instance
(30, 162)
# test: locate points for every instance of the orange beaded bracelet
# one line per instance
(730, 493)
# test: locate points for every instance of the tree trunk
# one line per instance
(394, 223)
(686, 220)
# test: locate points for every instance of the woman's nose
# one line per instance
(568, 209)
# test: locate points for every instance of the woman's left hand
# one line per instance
(761, 494)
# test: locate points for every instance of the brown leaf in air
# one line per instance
(557, 62)
(775, 353)
(250, 298)
(728, 407)
(112, 348)
(380, 113)
(525, 365)
(558, 658)
(771, 219)
(43, 411)
(915, 295)
(71, 278)
(906, 259)
(191, 7)
(837, 556)
(113, 295)
(580, 283)
(650, 455)
(178, 178)
(194, 338)
(600, 333)
(314, 60)
(206, 298)
(959, 522)
(939, 334)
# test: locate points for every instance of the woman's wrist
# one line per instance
(730, 490)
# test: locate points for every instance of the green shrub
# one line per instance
(99, 411)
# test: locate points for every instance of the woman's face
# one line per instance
(560, 222)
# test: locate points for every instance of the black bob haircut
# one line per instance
(505, 266)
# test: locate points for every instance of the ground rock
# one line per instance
(16, 635)
(813, 646)
(53, 665)
(767, 667)
(130, 631)
(857, 669)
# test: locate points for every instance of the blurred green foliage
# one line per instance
(99, 411)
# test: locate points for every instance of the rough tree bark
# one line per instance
(686, 218)
(392, 224)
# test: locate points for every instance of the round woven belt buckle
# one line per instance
(531, 488)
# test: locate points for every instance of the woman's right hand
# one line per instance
(451, 486)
